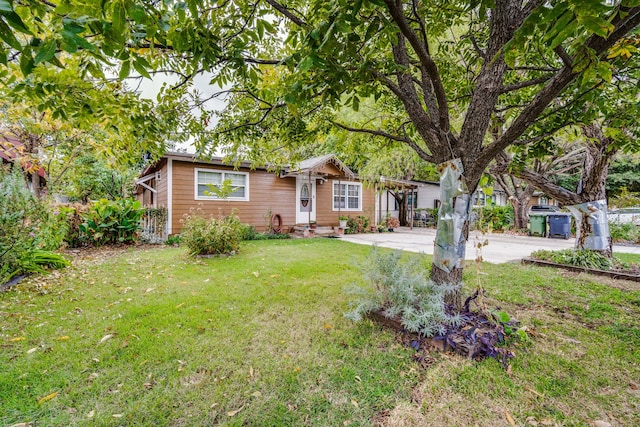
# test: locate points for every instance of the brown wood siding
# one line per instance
(162, 184)
(327, 216)
(266, 192)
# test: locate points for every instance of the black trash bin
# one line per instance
(559, 225)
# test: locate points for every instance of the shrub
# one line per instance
(579, 258)
(173, 240)
(210, 236)
(28, 231)
(495, 218)
(393, 222)
(402, 290)
(434, 214)
(359, 224)
(624, 232)
(248, 232)
(112, 221)
(20, 218)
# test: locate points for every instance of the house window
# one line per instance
(412, 198)
(210, 177)
(347, 196)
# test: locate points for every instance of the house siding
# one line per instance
(267, 192)
(162, 185)
(327, 216)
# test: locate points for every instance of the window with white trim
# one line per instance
(347, 196)
(207, 177)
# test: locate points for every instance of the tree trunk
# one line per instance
(454, 277)
(452, 232)
(521, 208)
(35, 183)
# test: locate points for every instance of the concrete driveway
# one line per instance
(501, 248)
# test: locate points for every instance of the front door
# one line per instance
(305, 199)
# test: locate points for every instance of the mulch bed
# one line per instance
(478, 338)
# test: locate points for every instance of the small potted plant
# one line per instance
(312, 225)
(392, 223)
(342, 220)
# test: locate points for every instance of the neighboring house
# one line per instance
(422, 194)
(318, 190)
(540, 198)
(12, 151)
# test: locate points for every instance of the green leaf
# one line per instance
(3, 56)
(604, 70)
(138, 64)
(596, 25)
(14, 20)
(564, 34)
(26, 62)
(559, 27)
(6, 34)
(305, 64)
(46, 51)
(119, 20)
(5, 6)
(125, 68)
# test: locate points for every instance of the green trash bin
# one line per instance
(538, 225)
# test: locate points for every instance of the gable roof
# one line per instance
(315, 164)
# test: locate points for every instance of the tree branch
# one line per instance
(377, 132)
(286, 12)
(521, 85)
(395, 8)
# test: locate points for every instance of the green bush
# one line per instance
(112, 221)
(624, 232)
(579, 258)
(402, 290)
(174, 240)
(495, 218)
(28, 231)
(359, 224)
(210, 236)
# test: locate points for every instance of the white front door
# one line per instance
(305, 199)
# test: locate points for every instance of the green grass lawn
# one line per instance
(151, 337)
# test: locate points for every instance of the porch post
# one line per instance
(310, 198)
(411, 211)
(339, 196)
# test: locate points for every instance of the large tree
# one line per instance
(454, 68)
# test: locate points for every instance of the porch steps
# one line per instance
(321, 231)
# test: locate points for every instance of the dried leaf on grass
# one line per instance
(47, 397)
(235, 412)
(105, 338)
(509, 418)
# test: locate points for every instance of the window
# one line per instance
(207, 177)
(412, 197)
(347, 196)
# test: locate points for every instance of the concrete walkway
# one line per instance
(501, 247)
